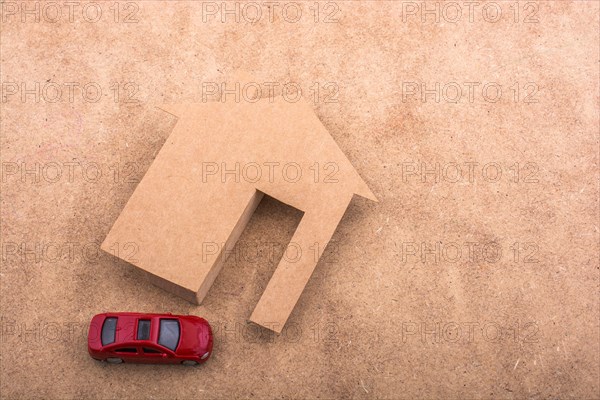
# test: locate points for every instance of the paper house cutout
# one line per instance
(204, 185)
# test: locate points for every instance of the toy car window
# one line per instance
(168, 335)
(143, 331)
(152, 351)
(109, 329)
(126, 350)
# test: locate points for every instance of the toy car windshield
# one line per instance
(168, 335)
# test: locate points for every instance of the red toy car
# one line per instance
(150, 338)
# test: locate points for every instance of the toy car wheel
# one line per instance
(114, 360)
(189, 362)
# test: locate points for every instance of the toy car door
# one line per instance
(128, 353)
(154, 354)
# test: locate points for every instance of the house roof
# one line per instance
(271, 130)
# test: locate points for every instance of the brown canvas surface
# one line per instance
(476, 126)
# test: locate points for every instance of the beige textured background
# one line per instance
(495, 327)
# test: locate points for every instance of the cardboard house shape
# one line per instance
(190, 208)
